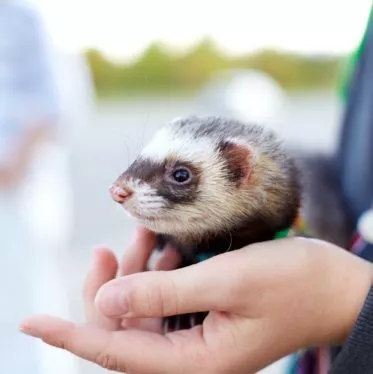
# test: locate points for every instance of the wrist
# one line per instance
(358, 284)
(349, 280)
(336, 284)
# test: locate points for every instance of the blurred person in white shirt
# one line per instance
(32, 164)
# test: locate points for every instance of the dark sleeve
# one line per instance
(355, 150)
(356, 355)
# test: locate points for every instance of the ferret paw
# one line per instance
(182, 322)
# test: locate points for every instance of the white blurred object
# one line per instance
(47, 197)
(249, 95)
(365, 226)
(76, 90)
(254, 96)
(279, 367)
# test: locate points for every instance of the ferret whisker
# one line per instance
(151, 204)
(146, 122)
(151, 198)
(231, 242)
(148, 199)
(147, 203)
(128, 153)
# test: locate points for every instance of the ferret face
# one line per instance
(188, 184)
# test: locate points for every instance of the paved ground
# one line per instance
(98, 151)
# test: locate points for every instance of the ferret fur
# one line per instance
(245, 188)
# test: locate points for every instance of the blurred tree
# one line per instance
(103, 71)
(157, 69)
(200, 63)
(293, 71)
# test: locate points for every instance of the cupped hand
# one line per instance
(265, 301)
(105, 267)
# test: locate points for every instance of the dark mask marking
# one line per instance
(181, 193)
(156, 175)
(145, 170)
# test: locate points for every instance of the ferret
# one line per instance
(208, 185)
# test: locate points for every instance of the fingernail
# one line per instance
(97, 250)
(27, 330)
(112, 301)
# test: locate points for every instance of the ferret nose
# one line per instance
(120, 193)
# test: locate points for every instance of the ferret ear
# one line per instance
(237, 157)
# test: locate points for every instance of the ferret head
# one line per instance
(201, 176)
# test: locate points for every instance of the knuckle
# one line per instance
(65, 341)
(159, 298)
(166, 297)
(57, 342)
(107, 361)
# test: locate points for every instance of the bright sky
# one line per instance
(125, 28)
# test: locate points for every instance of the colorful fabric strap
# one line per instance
(278, 235)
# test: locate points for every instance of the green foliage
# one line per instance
(294, 71)
(199, 64)
(154, 69)
(158, 69)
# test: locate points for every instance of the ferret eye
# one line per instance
(181, 175)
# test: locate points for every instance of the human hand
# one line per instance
(265, 301)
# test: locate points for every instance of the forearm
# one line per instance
(34, 137)
(13, 170)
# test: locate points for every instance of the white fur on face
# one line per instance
(145, 201)
(183, 147)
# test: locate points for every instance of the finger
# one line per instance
(118, 351)
(166, 259)
(147, 324)
(201, 287)
(170, 259)
(137, 255)
(104, 269)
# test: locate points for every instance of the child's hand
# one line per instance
(265, 301)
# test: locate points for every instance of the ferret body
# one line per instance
(210, 184)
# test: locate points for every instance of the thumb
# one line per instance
(197, 288)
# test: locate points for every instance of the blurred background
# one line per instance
(84, 84)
